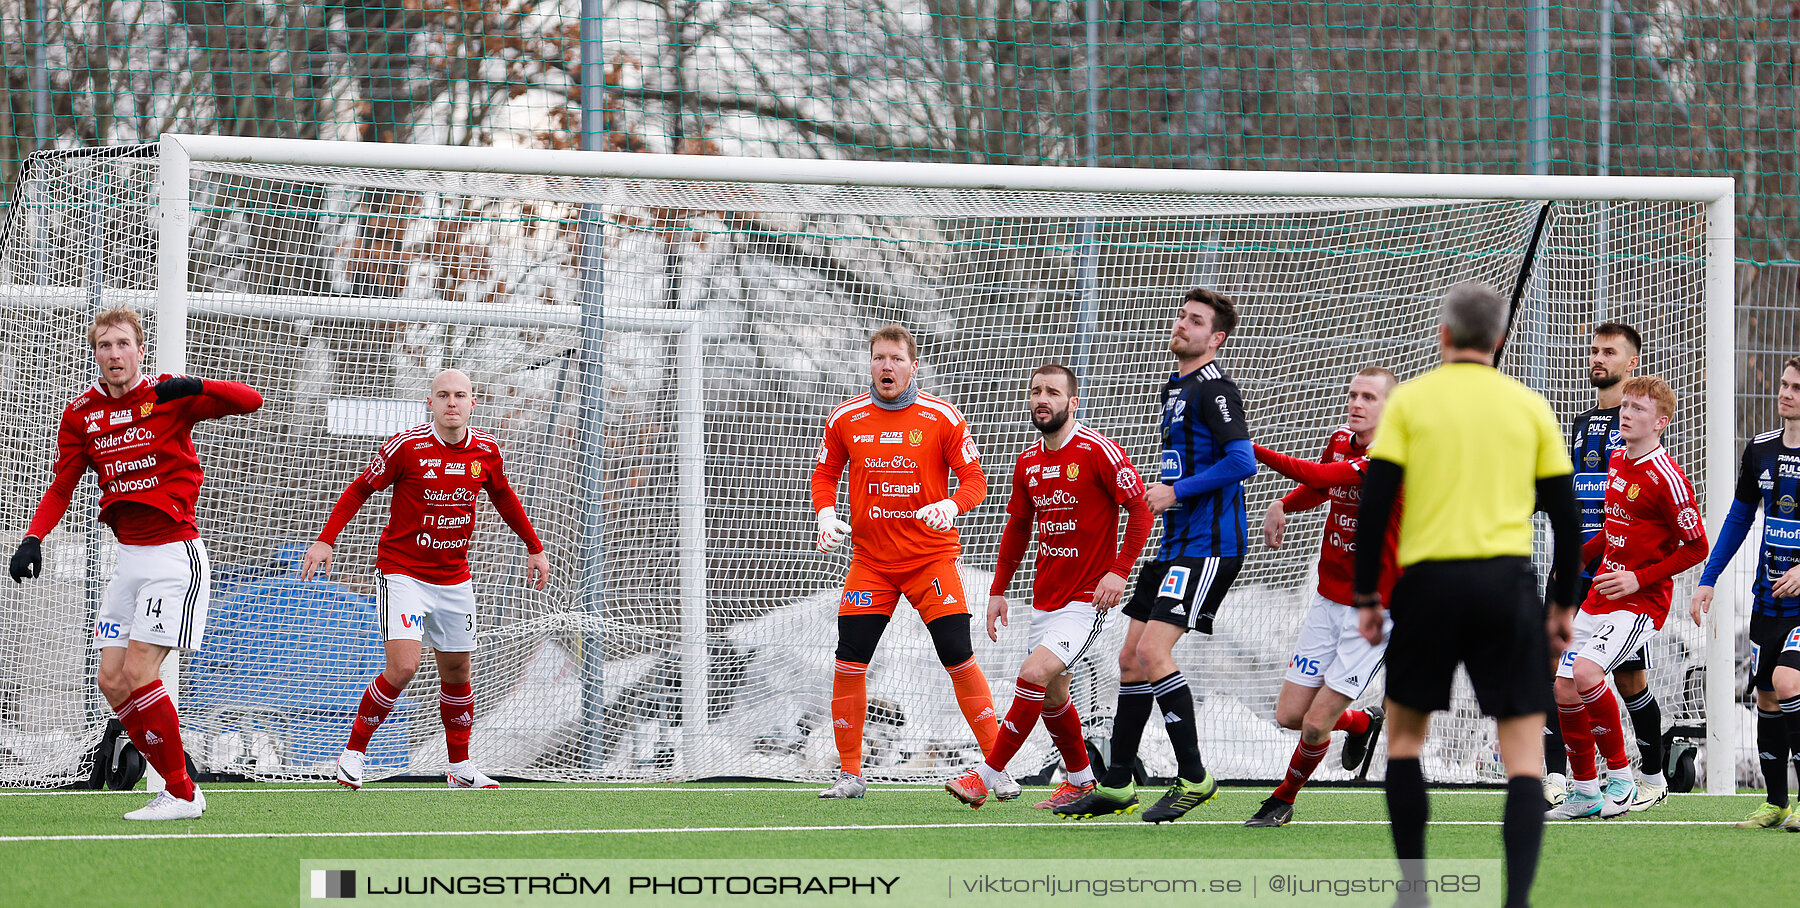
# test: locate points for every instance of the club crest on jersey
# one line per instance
(1785, 504)
(1631, 494)
(1591, 460)
(1125, 477)
(914, 437)
(1073, 470)
(1688, 519)
(145, 409)
(474, 469)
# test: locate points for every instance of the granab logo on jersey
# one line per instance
(1057, 526)
(914, 437)
(126, 466)
(894, 488)
(447, 521)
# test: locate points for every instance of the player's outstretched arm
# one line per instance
(1320, 476)
(216, 397)
(1380, 489)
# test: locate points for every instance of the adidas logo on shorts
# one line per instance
(1178, 610)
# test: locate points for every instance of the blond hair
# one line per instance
(113, 318)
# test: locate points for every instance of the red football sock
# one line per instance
(1300, 768)
(849, 707)
(456, 705)
(976, 700)
(1603, 717)
(1578, 740)
(1021, 718)
(1354, 721)
(1064, 726)
(160, 741)
(377, 702)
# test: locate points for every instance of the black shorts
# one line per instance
(1183, 591)
(1773, 641)
(1484, 614)
(1636, 662)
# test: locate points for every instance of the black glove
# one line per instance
(178, 387)
(28, 561)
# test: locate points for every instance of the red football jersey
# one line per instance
(1337, 478)
(143, 455)
(1650, 516)
(899, 461)
(432, 516)
(1074, 494)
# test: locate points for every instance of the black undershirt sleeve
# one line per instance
(1556, 498)
(1381, 484)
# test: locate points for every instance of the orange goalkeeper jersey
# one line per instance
(900, 461)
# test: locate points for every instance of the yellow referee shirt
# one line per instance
(1473, 442)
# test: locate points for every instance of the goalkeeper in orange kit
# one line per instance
(900, 447)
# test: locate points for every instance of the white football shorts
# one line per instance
(158, 594)
(1069, 631)
(1331, 650)
(438, 616)
(1605, 640)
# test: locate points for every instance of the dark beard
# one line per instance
(1051, 424)
(1604, 381)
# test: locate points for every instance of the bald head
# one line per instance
(451, 402)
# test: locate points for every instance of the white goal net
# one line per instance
(688, 631)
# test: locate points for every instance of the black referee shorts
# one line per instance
(1484, 614)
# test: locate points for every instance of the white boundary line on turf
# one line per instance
(378, 788)
(835, 828)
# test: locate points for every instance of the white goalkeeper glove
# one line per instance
(832, 531)
(940, 516)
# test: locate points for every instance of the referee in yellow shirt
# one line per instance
(1474, 450)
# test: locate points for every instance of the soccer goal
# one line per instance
(657, 340)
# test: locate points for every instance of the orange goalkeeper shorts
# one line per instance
(933, 587)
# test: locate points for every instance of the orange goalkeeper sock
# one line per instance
(849, 707)
(976, 700)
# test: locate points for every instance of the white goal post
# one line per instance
(656, 339)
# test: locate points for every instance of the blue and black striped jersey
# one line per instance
(1770, 477)
(1594, 438)
(1201, 412)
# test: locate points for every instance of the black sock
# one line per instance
(1135, 700)
(1646, 724)
(1409, 808)
(1772, 750)
(1177, 705)
(1790, 714)
(1522, 831)
(1555, 758)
